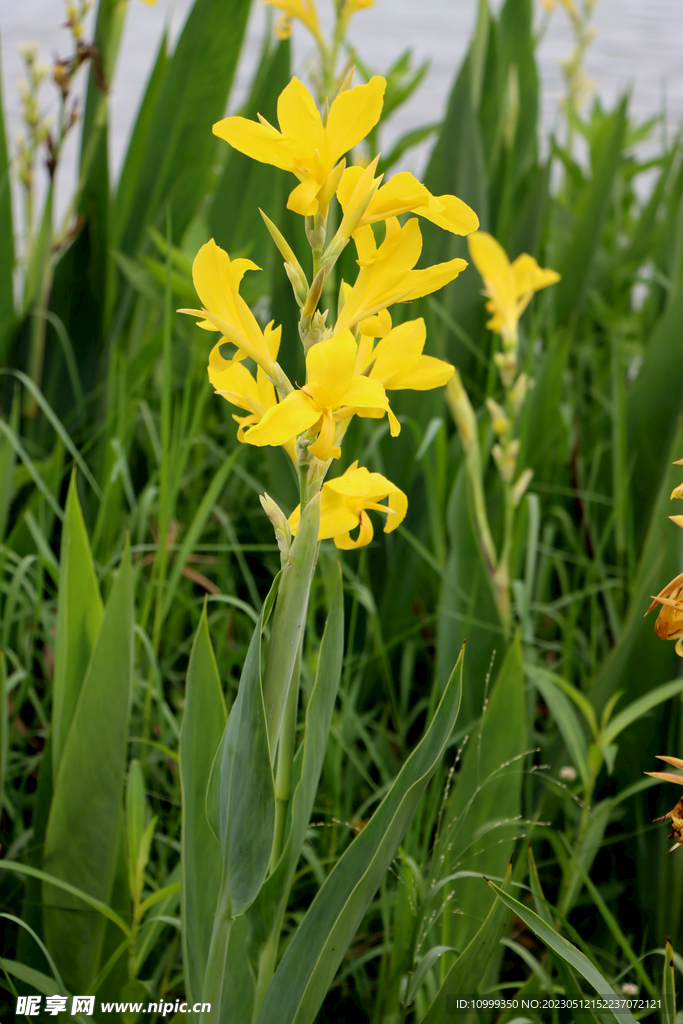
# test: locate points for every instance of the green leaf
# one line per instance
(240, 800)
(73, 890)
(564, 949)
(669, 985)
(265, 917)
(79, 617)
(192, 97)
(136, 816)
(36, 979)
(577, 261)
(565, 718)
(200, 735)
(640, 707)
(83, 831)
(318, 947)
(472, 963)
(485, 801)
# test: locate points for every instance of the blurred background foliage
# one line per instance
(104, 386)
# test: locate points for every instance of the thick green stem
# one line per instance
(285, 763)
(289, 619)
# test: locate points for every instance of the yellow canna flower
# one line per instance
(402, 193)
(344, 502)
(509, 286)
(217, 279)
(233, 381)
(303, 10)
(333, 392)
(386, 272)
(397, 360)
(305, 146)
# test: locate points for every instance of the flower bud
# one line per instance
(462, 411)
(521, 484)
(298, 283)
(506, 459)
(501, 424)
(283, 533)
(507, 366)
(520, 390)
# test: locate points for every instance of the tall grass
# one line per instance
(113, 444)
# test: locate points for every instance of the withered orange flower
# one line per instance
(676, 813)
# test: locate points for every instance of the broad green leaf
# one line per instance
(73, 890)
(192, 97)
(240, 799)
(472, 963)
(82, 840)
(266, 915)
(200, 735)
(640, 707)
(318, 947)
(565, 718)
(578, 258)
(79, 617)
(480, 817)
(240, 808)
(136, 815)
(573, 956)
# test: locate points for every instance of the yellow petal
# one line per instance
(424, 282)
(365, 535)
(284, 421)
(455, 215)
(304, 198)
(324, 447)
(299, 117)
(376, 326)
(259, 141)
(330, 366)
(352, 116)
(212, 271)
(427, 373)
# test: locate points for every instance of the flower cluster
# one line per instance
(354, 355)
(669, 624)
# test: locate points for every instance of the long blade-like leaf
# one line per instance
(318, 947)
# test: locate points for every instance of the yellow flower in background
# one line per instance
(569, 6)
(351, 6)
(217, 279)
(402, 193)
(509, 286)
(304, 11)
(344, 504)
(233, 381)
(333, 392)
(310, 150)
(386, 272)
(397, 360)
